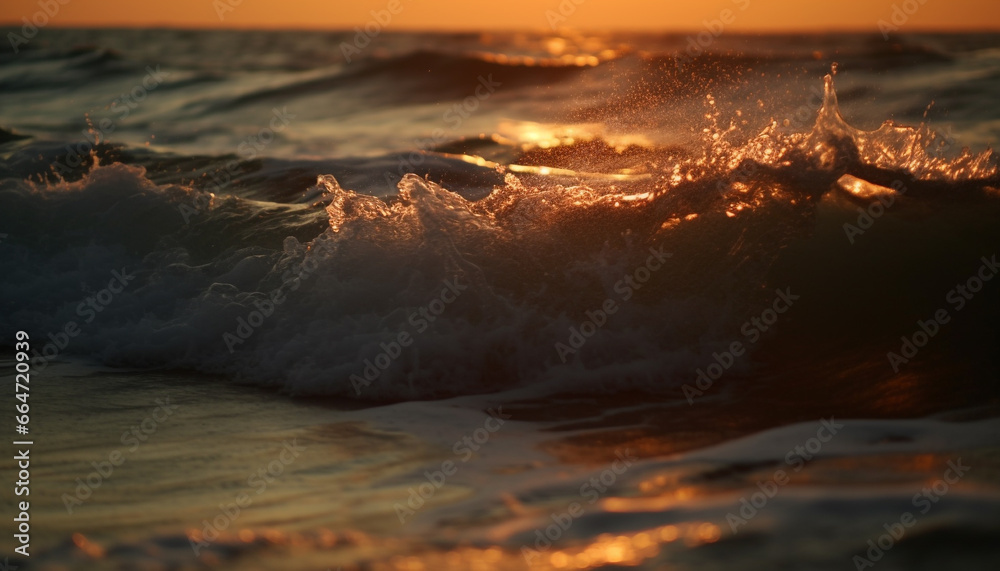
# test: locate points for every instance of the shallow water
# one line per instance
(348, 478)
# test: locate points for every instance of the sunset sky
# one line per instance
(757, 15)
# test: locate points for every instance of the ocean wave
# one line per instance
(628, 283)
(420, 76)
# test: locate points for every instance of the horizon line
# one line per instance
(537, 29)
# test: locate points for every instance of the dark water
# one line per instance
(627, 246)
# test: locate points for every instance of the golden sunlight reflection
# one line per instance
(567, 50)
(862, 188)
(624, 175)
(628, 549)
(88, 547)
(565, 60)
(549, 135)
(650, 546)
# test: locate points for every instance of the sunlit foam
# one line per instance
(862, 188)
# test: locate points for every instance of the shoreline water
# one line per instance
(178, 492)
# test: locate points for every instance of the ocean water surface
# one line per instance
(505, 300)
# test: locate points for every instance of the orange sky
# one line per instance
(527, 14)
